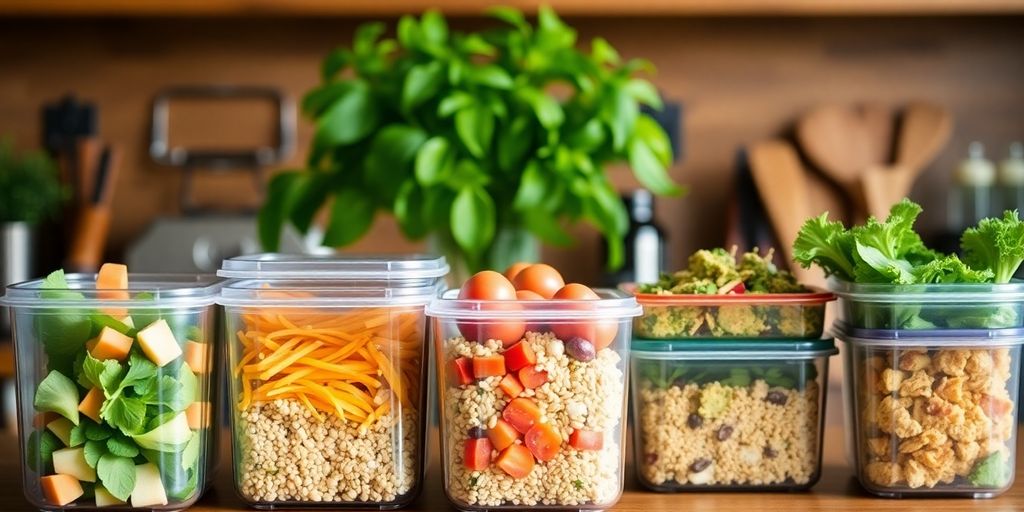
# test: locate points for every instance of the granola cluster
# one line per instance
(935, 417)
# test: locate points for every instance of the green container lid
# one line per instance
(733, 349)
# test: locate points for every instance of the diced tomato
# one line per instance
(543, 441)
(587, 440)
(522, 413)
(488, 366)
(462, 371)
(519, 356)
(516, 460)
(531, 378)
(511, 386)
(502, 435)
(478, 454)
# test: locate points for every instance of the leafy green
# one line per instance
(122, 446)
(436, 125)
(77, 435)
(64, 331)
(57, 393)
(96, 431)
(827, 244)
(993, 471)
(30, 188)
(995, 245)
(117, 474)
(93, 451)
(100, 374)
(39, 450)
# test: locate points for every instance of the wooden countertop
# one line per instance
(838, 490)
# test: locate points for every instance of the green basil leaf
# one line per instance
(422, 83)
(546, 229)
(473, 219)
(533, 188)
(122, 446)
(57, 393)
(510, 15)
(126, 413)
(475, 127)
(454, 102)
(589, 137)
(648, 130)
(434, 161)
(408, 207)
(437, 205)
(350, 118)
(93, 451)
(546, 108)
(117, 474)
(603, 53)
(351, 217)
(95, 431)
(491, 76)
(281, 192)
(315, 102)
(336, 62)
(105, 374)
(619, 111)
(434, 27)
(649, 170)
(389, 161)
(467, 173)
(475, 44)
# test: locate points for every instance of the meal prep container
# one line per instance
(114, 391)
(930, 306)
(548, 404)
(932, 413)
(328, 387)
(729, 415)
(746, 315)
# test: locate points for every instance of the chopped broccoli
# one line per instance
(992, 471)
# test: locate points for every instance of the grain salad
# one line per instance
(581, 400)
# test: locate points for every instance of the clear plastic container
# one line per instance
(932, 413)
(532, 400)
(729, 415)
(930, 306)
(745, 315)
(114, 390)
(328, 388)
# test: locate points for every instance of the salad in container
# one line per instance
(721, 296)
(933, 350)
(113, 387)
(532, 386)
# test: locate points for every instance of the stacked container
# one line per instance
(328, 387)
(742, 411)
(931, 386)
(114, 390)
(541, 385)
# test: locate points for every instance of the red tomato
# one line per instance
(521, 413)
(477, 454)
(543, 441)
(531, 378)
(514, 269)
(599, 332)
(518, 356)
(491, 286)
(461, 371)
(541, 279)
(527, 295)
(586, 440)
(487, 285)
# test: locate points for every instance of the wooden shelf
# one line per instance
(300, 8)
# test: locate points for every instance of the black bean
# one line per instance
(694, 421)
(777, 397)
(700, 465)
(650, 458)
(724, 432)
(477, 433)
(580, 349)
(770, 452)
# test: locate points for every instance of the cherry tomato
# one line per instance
(527, 295)
(541, 279)
(491, 286)
(599, 332)
(487, 285)
(514, 269)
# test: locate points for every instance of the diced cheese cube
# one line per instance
(61, 489)
(105, 499)
(91, 404)
(127, 320)
(71, 461)
(61, 427)
(111, 345)
(197, 356)
(198, 415)
(158, 343)
(149, 490)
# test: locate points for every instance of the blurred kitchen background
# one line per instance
(143, 83)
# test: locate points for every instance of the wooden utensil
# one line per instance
(93, 220)
(782, 185)
(879, 123)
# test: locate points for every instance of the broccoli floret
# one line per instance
(743, 321)
(667, 322)
(716, 265)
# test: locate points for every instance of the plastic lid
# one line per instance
(929, 337)
(814, 297)
(960, 293)
(334, 266)
(733, 349)
(612, 305)
(146, 290)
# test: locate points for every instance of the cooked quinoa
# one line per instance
(665, 322)
(578, 395)
(287, 455)
(712, 434)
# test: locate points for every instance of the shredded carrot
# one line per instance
(358, 365)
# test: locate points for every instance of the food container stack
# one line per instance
(532, 397)
(114, 388)
(328, 380)
(729, 377)
(931, 386)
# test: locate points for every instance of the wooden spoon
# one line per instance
(879, 122)
(782, 185)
